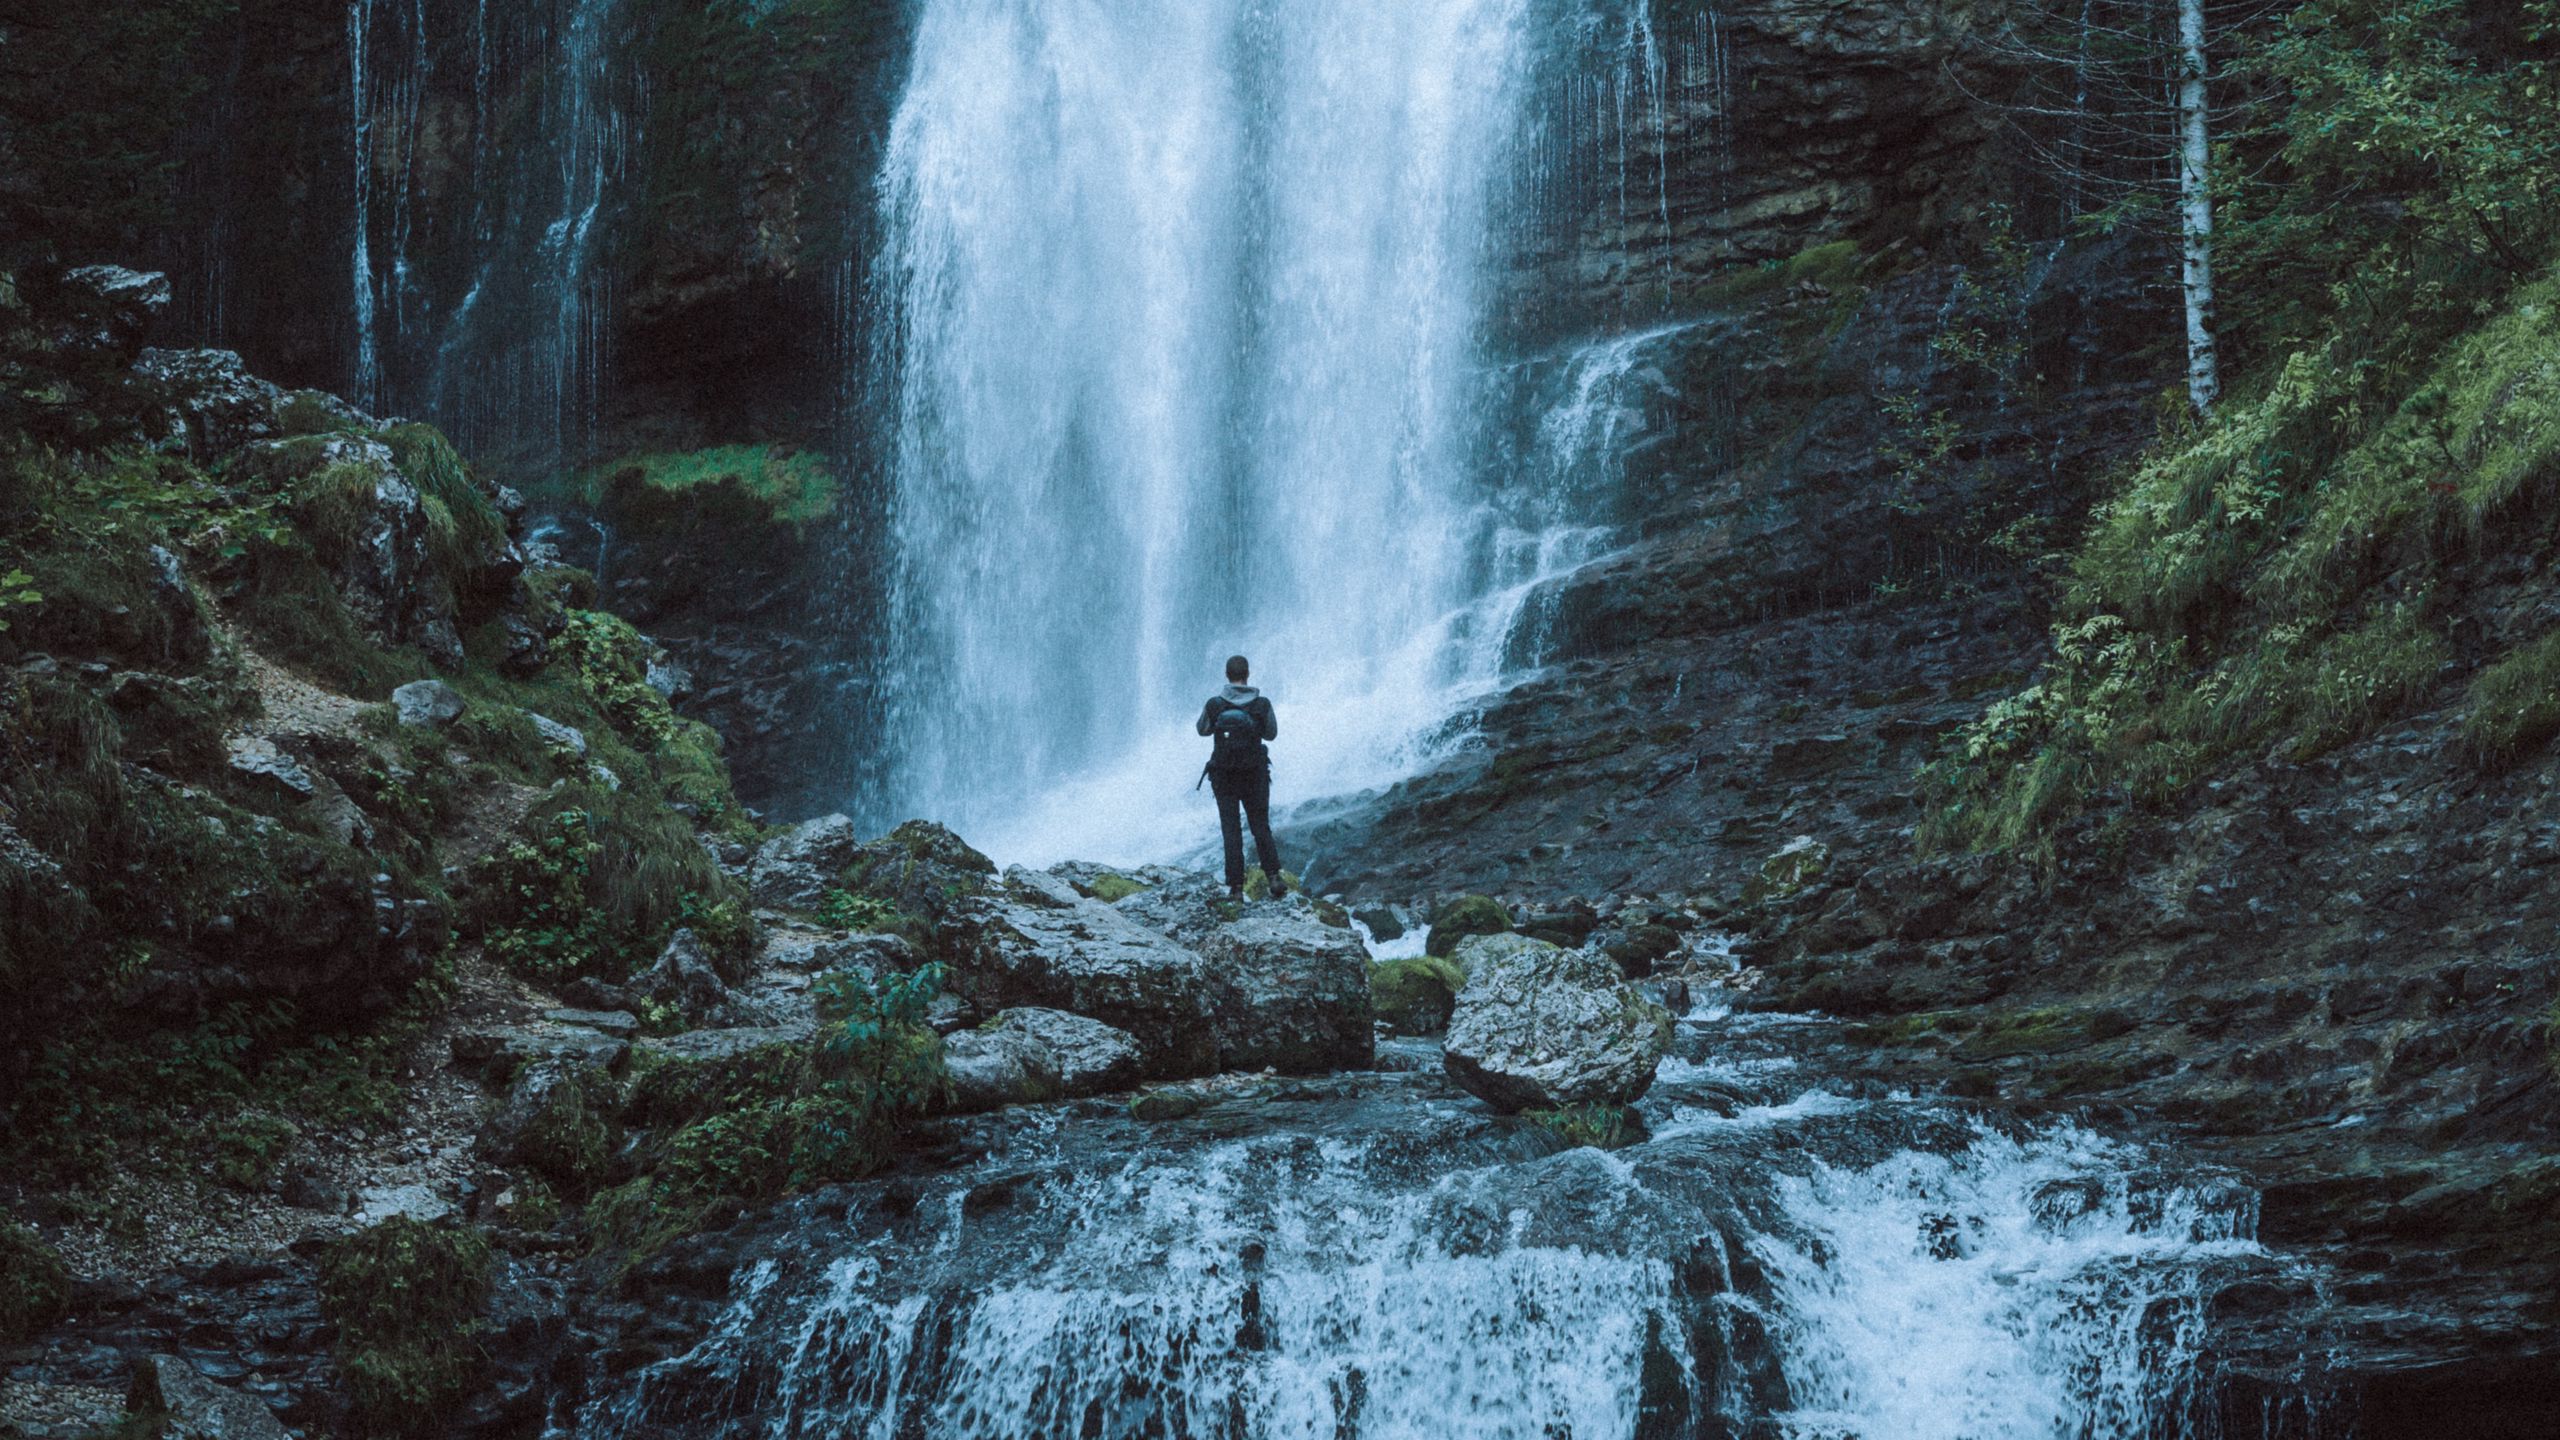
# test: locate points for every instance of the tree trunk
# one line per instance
(2195, 205)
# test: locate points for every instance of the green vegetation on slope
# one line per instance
(2293, 575)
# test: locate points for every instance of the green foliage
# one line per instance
(541, 922)
(1602, 1127)
(844, 910)
(35, 1286)
(406, 1298)
(249, 1147)
(756, 484)
(2514, 705)
(752, 1126)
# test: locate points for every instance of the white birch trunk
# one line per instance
(2195, 205)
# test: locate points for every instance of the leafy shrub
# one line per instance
(406, 1297)
(844, 910)
(35, 1286)
(2515, 703)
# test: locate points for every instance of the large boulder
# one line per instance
(922, 871)
(373, 531)
(1030, 1054)
(215, 406)
(1541, 1028)
(1049, 947)
(796, 869)
(1288, 990)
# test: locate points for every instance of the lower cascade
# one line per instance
(1376, 1256)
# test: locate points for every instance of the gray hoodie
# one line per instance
(1242, 697)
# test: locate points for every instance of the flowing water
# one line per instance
(1189, 304)
(504, 344)
(1376, 1258)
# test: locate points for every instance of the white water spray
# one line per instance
(1189, 299)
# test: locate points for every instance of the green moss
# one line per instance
(1602, 1127)
(1467, 915)
(1111, 887)
(1832, 265)
(1416, 996)
(754, 484)
(2040, 1032)
(406, 1298)
(35, 1286)
(1257, 886)
(2514, 705)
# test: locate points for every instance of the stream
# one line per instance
(1377, 1256)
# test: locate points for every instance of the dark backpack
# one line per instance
(1235, 741)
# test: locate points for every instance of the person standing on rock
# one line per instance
(1239, 723)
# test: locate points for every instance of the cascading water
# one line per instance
(500, 341)
(1189, 302)
(1378, 1258)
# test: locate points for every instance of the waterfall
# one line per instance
(366, 384)
(1187, 303)
(518, 363)
(1381, 1261)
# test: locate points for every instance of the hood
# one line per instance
(1239, 695)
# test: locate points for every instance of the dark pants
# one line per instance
(1250, 792)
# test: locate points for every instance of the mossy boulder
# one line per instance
(558, 1122)
(406, 1297)
(1416, 996)
(35, 1286)
(1798, 863)
(1462, 918)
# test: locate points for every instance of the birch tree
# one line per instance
(2195, 207)
(2113, 99)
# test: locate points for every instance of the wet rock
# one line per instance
(191, 1407)
(795, 869)
(1288, 990)
(921, 870)
(1090, 959)
(1539, 1027)
(684, 977)
(1466, 916)
(117, 306)
(1031, 1054)
(214, 405)
(1797, 864)
(269, 771)
(620, 1023)
(723, 1044)
(1383, 921)
(495, 1052)
(1638, 950)
(568, 738)
(557, 1122)
(815, 951)
(429, 704)
(422, 1203)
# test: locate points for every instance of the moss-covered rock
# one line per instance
(406, 1297)
(1466, 916)
(1416, 996)
(35, 1286)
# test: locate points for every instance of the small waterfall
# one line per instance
(518, 364)
(1778, 1260)
(365, 387)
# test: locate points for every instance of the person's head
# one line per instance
(1237, 670)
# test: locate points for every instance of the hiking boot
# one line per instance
(1279, 888)
(1235, 894)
